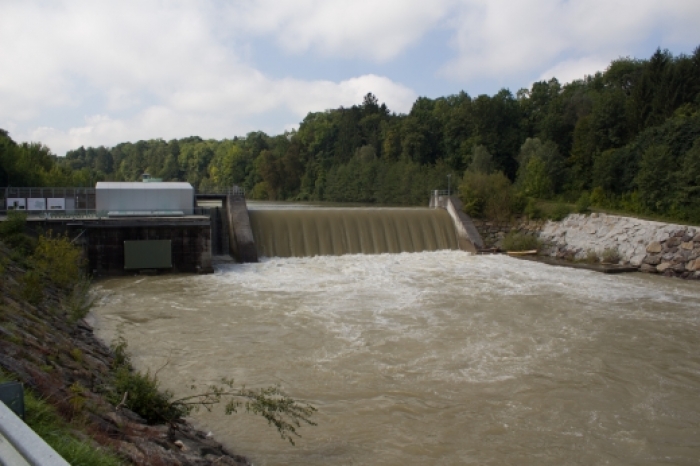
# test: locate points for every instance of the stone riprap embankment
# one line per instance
(68, 366)
(654, 247)
(493, 231)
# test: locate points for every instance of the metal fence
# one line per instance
(38, 200)
(235, 191)
(78, 202)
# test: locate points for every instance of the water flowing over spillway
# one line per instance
(334, 232)
(430, 358)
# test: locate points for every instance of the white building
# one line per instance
(138, 198)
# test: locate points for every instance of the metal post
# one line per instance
(449, 176)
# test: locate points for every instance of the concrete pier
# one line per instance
(468, 236)
(240, 233)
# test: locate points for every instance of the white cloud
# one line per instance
(369, 29)
(223, 112)
(164, 72)
(571, 70)
(497, 38)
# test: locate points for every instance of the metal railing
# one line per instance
(235, 190)
(19, 444)
(100, 214)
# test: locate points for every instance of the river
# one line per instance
(430, 358)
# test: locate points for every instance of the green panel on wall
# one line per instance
(148, 254)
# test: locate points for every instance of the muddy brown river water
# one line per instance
(431, 358)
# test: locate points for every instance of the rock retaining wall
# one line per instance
(493, 232)
(654, 247)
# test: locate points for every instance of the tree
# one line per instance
(481, 160)
(534, 179)
(549, 171)
(657, 180)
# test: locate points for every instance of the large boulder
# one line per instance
(661, 268)
(654, 248)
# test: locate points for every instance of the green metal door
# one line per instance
(148, 254)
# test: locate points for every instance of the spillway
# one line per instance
(335, 232)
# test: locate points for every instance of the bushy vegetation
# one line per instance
(610, 256)
(560, 212)
(140, 392)
(516, 241)
(49, 260)
(489, 195)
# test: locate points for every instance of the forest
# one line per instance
(626, 139)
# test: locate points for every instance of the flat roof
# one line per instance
(140, 185)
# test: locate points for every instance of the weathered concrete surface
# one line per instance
(468, 236)
(240, 233)
(103, 240)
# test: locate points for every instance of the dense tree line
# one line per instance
(627, 138)
(33, 164)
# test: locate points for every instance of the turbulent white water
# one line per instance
(432, 358)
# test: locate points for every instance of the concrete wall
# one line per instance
(241, 238)
(103, 241)
(493, 231)
(468, 236)
(191, 248)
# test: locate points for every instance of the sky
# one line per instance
(88, 73)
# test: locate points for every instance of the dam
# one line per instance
(339, 231)
(158, 227)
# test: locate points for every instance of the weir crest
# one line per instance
(339, 231)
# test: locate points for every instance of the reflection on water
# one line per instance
(432, 358)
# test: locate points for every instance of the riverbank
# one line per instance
(666, 249)
(58, 358)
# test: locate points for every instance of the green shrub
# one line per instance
(59, 260)
(560, 212)
(532, 210)
(515, 241)
(139, 392)
(583, 205)
(598, 197)
(32, 287)
(611, 256)
(144, 397)
(591, 257)
(12, 233)
(78, 302)
(142, 394)
(488, 195)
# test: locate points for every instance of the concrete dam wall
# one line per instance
(338, 231)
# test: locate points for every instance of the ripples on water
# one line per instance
(432, 358)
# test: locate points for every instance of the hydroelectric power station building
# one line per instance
(126, 227)
(145, 198)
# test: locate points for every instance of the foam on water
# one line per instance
(432, 357)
